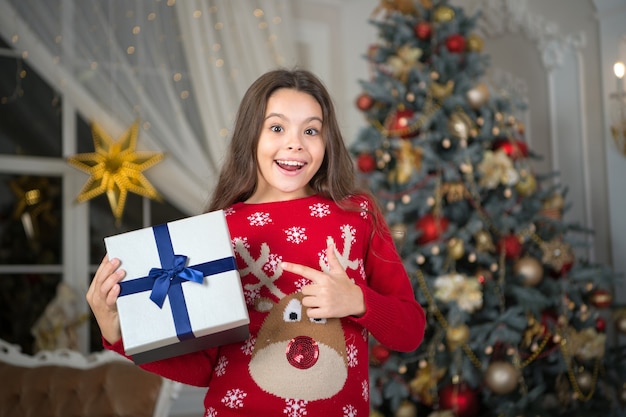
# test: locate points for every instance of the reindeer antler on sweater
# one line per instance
(255, 267)
(344, 256)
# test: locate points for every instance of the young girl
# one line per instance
(319, 269)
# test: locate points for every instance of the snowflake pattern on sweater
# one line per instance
(292, 365)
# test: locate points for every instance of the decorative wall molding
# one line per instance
(498, 17)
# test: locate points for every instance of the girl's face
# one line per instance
(291, 147)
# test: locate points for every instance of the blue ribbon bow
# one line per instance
(163, 278)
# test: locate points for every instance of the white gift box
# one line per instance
(194, 315)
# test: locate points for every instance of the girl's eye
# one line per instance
(311, 131)
(276, 128)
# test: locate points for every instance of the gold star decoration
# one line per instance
(115, 168)
(35, 197)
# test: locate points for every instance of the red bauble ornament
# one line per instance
(423, 30)
(380, 354)
(366, 163)
(399, 124)
(455, 43)
(601, 298)
(431, 227)
(364, 102)
(567, 266)
(511, 245)
(601, 324)
(459, 398)
(549, 321)
(514, 148)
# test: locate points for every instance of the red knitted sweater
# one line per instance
(291, 365)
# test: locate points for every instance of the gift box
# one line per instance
(182, 292)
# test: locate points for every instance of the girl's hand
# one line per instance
(331, 294)
(102, 295)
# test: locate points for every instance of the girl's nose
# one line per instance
(294, 142)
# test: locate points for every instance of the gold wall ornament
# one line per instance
(115, 169)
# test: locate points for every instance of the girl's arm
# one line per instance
(392, 316)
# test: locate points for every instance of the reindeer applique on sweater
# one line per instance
(291, 347)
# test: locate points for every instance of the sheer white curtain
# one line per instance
(179, 67)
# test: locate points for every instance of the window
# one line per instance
(48, 242)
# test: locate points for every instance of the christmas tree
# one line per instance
(518, 321)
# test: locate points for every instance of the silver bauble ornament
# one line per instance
(530, 269)
(501, 377)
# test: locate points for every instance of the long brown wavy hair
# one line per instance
(237, 181)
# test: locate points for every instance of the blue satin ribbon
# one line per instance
(166, 281)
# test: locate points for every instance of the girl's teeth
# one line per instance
(291, 163)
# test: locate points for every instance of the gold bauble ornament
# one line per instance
(484, 242)
(406, 409)
(530, 269)
(456, 248)
(526, 185)
(501, 377)
(443, 14)
(376, 413)
(474, 43)
(457, 336)
(478, 95)
(459, 125)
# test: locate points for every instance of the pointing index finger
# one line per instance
(304, 271)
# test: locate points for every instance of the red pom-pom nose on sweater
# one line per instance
(302, 352)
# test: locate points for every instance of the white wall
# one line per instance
(612, 47)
